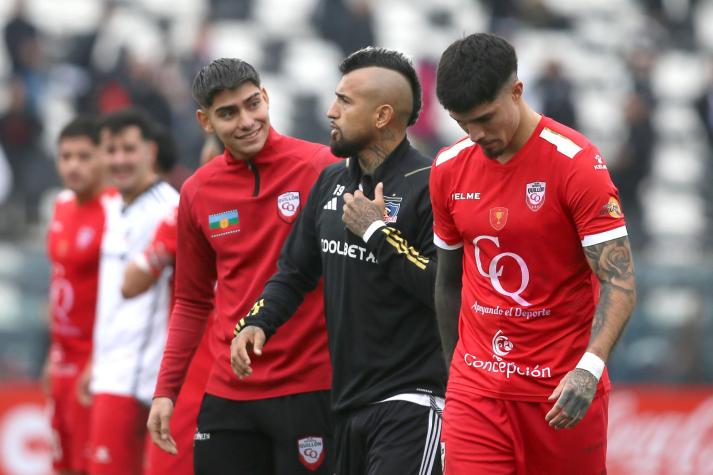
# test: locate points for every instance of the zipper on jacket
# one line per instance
(253, 168)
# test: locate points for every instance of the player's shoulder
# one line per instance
(65, 197)
(454, 153)
(161, 196)
(314, 154)
(562, 141)
(416, 167)
(335, 170)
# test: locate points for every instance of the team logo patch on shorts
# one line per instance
(311, 452)
(535, 195)
(288, 204)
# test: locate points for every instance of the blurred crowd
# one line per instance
(645, 128)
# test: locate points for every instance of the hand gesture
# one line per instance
(249, 337)
(158, 424)
(574, 394)
(360, 211)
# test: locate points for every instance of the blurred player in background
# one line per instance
(129, 333)
(232, 219)
(367, 229)
(530, 229)
(141, 273)
(73, 244)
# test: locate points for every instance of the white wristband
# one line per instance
(373, 227)
(592, 363)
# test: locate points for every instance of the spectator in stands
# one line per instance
(20, 134)
(348, 23)
(633, 162)
(556, 94)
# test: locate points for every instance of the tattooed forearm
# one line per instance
(612, 263)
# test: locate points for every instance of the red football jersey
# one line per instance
(528, 294)
(73, 244)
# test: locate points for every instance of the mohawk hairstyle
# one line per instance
(387, 59)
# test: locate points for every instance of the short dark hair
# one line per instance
(82, 126)
(167, 153)
(473, 70)
(221, 75)
(121, 119)
(387, 59)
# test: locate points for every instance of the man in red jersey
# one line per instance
(233, 217)
(73, 244)
(534, 256)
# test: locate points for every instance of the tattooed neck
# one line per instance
(375, 154)
(371, 157)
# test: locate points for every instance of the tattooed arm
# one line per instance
(611, 262)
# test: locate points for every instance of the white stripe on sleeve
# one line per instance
(599, 238)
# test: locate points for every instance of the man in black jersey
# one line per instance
(367, 229)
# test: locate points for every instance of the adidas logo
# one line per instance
(331, 204)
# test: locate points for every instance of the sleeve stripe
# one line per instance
(599, 238)
(452, 152)
(444, 245)
(563, 144)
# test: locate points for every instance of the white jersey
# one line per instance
(130, 334)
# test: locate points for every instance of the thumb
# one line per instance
(258, 342)
(379, 194)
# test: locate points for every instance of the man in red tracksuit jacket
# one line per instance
(233, 217)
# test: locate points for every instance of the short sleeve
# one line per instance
(592, 199)
(445, 233)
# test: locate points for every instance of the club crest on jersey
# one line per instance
(311, 452)
(535, 195)
(288, 204)
(498, 217)
(391, 208)
(84, 237)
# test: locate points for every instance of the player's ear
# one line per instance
(265, 97)
(517, 89)
(384, 115)
(203, 121)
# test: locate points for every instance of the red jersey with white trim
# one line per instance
(233, 218)
(73, 245)
(528, 295)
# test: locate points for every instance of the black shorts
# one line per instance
(284, 435)
(389, 438)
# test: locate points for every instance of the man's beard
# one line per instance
(347, 148)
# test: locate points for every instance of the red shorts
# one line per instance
(498, 437)
(183, 421)
(70, 423)
(117, 435)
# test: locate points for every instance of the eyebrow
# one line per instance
(341, 96)
(256, 94)
(232, 107)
